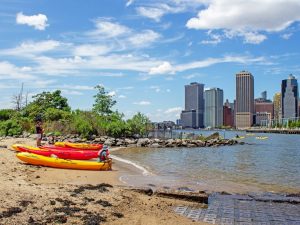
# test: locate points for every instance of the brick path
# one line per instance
(252, 209)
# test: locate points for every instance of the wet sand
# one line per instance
(41, 195)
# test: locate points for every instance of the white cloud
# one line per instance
(142, 103)
(91, 50)
(129, 2)
(71, 92)
(155, 10)
(39, 21)
(77, 87)
(214, 38)
(122, 96)
(249, 37)
(167, 68)
(105, 28)
(30, 48)
(247, 18)
(164, 68)
(9, 71)
(143, 39)
(151, 13)
(286, 36)
(173, 110)
(111, 93)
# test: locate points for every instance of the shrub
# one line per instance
(10, 128)
(6, 114)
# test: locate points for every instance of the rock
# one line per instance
(142, 142)
(155, 145)
(110, 142)
(191, 145)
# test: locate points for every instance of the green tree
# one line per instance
(45, 100)
(103, 102)
(139, 124)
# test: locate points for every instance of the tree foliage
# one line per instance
(103, 102)
(44, 101)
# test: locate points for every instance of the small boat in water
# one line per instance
(40, 160)
(262, 137)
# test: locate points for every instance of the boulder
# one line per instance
(142, 142)
(155, 145)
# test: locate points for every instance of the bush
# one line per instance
(53, 114)
(10, 128)
(6, 114)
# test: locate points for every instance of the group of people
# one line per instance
(103, 154)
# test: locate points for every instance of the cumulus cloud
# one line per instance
(247, 18)
(142, 103)
(164, 68)
(39, 21)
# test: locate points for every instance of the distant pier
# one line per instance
(276, 131)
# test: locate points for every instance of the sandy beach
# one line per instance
(41, 195)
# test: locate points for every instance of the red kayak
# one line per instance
(62, 154)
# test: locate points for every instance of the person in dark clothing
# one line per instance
(39, 133)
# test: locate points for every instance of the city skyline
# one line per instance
(144, 52)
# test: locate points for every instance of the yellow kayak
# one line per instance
(35, 159)
(79, 145)
(261, 138)
(16, 147)
(241, 137)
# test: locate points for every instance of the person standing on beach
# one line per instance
(39, 133)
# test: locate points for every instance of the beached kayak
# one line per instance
(63, 154)
(79, 145)
(35, 159)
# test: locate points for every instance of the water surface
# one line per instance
(259, 165)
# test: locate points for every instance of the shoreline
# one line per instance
(43, 195)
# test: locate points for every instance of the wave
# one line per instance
(144, 170)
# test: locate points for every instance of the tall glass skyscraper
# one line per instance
(244, 99)
(213, 112)
(289, 97)
(193, 114)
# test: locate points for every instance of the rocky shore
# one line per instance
(213, 140)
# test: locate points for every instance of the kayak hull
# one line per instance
(40, 160)
(63, 154)
(82, 146)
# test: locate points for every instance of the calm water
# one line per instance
(260, 165)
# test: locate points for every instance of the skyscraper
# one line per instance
(289, 97)
(277, 106)
(244, 99)
(193, 114)
(228, 114)
(213, 112)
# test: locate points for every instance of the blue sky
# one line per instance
(143, 52)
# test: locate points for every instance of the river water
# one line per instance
(270, 165)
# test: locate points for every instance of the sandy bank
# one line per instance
(40, 195)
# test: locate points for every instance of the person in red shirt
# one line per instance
(39, 132)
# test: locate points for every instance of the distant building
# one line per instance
(213, 113)
(164, 125)
(289, 97)
(178, 122)
(244, 99)
(193, 114)
(228, 114)
(263, 118)
(264, 95)
(277, 106)
(264, 110)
